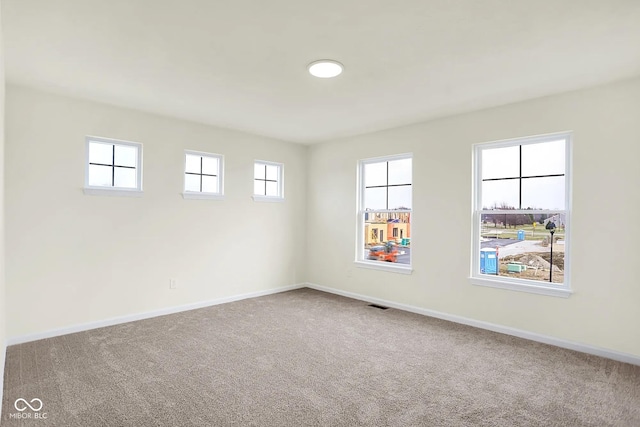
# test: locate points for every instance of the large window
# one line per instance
(521, 214)
(268, 181)
(384, 213)
(113, 166)
(203, 175)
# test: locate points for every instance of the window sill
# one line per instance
(267, 199)
(384, 266)
(202, 196)
(97, 191)
(554, 291)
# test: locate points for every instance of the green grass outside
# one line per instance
(530, 232)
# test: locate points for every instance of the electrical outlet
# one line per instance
(173, 284)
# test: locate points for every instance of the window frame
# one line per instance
(203, 195)
(360, 259)
(516, 284)
(280, 182)
(113, 190)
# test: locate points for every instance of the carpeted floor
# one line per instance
(306, 358)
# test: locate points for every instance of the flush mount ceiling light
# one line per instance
(325, 68)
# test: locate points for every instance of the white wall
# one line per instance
(603, 311)
(3, 335)
(2, 264)
(75, 258)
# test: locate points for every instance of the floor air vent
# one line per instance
(381, 307)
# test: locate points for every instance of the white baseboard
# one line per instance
(146, 315)
(584, 348)
(558, 342)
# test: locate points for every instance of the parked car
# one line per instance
(387, 252)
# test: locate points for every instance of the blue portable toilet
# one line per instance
(520, 234)
(488, 261)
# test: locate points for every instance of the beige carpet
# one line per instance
(306, 358)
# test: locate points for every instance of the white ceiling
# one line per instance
(241, 64)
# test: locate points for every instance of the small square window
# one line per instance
(203, 175)
(268, 181)
(113, 167)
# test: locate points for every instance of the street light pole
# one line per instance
(551, 259)
(551, 226)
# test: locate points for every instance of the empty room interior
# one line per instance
(292, 213)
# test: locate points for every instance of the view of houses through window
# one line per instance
(385, 209)
(388, 231)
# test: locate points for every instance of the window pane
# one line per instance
(191, 182)
(192, 163)
(523, 246)
(400, 172)
(101, 153)
(375, 198)
(543, 193)
(126, 155)
(375, 174)
(501, 162)
(100, 175)
(124, 178)
(500, 194)
(210, 165)
(380, 240)
(272, 188)
(400, 197)
(543, 159)
(272, 172)
(258, 187)
(210, 184)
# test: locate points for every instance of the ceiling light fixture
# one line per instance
(325, 68)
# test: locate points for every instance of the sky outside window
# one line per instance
(388, 185)
(529, 176)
